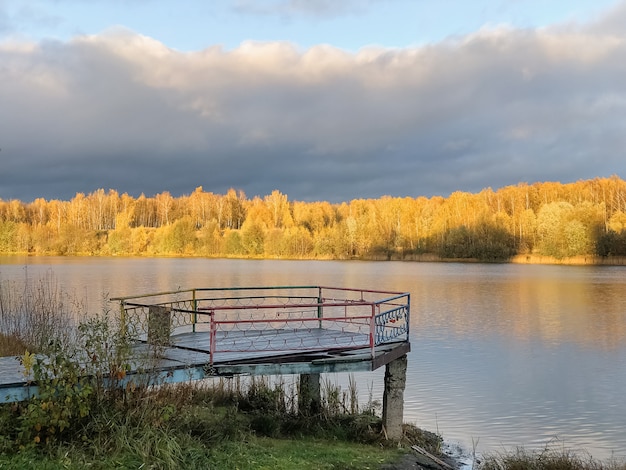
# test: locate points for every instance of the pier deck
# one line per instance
(201, 333)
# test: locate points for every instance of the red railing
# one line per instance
(276, 319)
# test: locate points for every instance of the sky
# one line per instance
(328, 100)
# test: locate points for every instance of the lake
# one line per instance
(502, 355)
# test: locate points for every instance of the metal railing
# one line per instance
(271, 319)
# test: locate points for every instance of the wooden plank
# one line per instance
(391, 353)
(427, 454)
(11, 371)
(280, 368)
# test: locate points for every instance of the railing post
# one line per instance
(373, 331)
(408, 316)
(213, 336)
(123, 319)
(320, 310)
(194, 304)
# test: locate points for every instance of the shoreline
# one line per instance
(579, 260)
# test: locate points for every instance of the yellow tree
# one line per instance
(15, 211)
(39, 212)
(202, 207)
(278, 205)
(617, 222)
(145, 212)
(232, 212)
(297, 242)
(164, 204)
(95, 209)
(58, 214)
(77, 214)
(314, 216)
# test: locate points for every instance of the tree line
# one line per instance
(548, 219)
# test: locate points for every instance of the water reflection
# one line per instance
(505, 355)
(523, 303)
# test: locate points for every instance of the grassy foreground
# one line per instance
(256, 453)
(191, 426)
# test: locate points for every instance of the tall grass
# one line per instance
(546, 459)
(34, 313)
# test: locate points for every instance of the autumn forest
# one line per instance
(546, 219)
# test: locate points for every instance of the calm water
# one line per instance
(502, 355)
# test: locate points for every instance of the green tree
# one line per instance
(298, 242)
(252, 238)
(232, 243)
(551, 221)
(209, 239)
(8, 236)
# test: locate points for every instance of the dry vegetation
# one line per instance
(34, 312)
(547, 460)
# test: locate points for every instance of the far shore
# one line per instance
(580, 260)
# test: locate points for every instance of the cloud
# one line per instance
(13, 21)
(321, 9)
(501, 106)
(611, 22)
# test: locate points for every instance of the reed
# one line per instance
(11, 345)
(546, 459)
(34, 313)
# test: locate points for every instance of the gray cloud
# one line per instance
(321, 9)
(498, 107)
(611, 22)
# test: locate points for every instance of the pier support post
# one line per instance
(310, 396)
(159, 322)
(393, 397)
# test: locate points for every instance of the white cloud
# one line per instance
(122, 110)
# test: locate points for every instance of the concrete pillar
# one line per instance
(393, 397)
(310, 396)
(159, 320)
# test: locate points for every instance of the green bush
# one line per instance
(62, 399)
(72, 380)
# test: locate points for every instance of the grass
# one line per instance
(253, 453)
(33, 312)
(12, 345)
(546, 459)
(156, 430)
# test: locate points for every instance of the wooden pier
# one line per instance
(305, 330)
